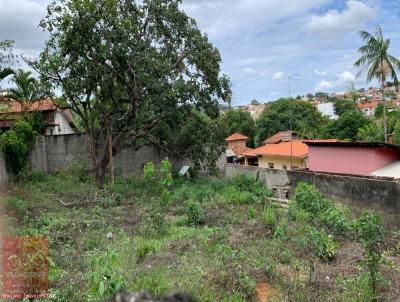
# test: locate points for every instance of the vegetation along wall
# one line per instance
(54, 153)
(357, 192)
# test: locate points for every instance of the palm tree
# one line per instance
(26, 89)
(378, 62)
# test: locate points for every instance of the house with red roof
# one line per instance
(291, 155)
(368, 108)
(282, 136)
(354, 158)
(236, 150)
(57, 121)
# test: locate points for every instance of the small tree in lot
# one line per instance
(371, 234)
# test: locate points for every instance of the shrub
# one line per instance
(280, 230)
(16, 145)
(143, 248)
(244, 183)
(324, 245)
(17, 206)
(236, 196)
(80, 170)
(105, 280)
(337, 219)
(297, 214)
(371, 234)
(252, 212)
(308, 198)
(195, 213)
(269, 217)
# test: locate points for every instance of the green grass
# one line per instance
(242, 240)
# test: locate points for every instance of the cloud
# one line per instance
(222, 18)
(320, 73)
(19, 22)
(251, 72)
(334, 22)
(342, 79)
(346, 76)
(278, 75)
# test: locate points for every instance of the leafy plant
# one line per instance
(324, 245)
(105, 280)
(16, 145)
(17, 206)
(195, 213)
(252, 212)
(371, 234)
(269, 217)
(143, 248)
(308, 198)
(337, 219)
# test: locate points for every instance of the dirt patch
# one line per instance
(265, 292)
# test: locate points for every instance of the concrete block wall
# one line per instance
(359, 193)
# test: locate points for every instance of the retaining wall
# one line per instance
(359, 193)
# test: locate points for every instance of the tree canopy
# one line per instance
(128, 67)
(347, 125)
(276, 117)
(238, 121)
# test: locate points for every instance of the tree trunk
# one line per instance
(385, 126)
(110, 155)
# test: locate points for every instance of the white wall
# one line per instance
(63, 127)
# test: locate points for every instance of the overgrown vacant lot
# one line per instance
(221, 240)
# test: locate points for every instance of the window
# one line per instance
(284, 167)
(295, 168)
(51, 131)
(271, 165)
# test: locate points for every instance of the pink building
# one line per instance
(356, 158)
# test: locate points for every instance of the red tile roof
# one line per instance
(368, 105)
(279, 137)
(244, 151)
(236, 137)
(16, 107)
(299, 149)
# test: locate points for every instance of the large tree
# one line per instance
(347, 125)
(239, 121)
(126, 67)
(279, 116)
(375, 58)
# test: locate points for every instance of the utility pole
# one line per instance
(291, 120)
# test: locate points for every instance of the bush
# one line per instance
(252, 212)
(337, 219)
(236, 196)
(105, 280)
(195, 213)
(16, 145)
(269, 217)
(308, 198)
(245, 183)
(297, 214)
(371, 234)
(17, 206)
(143, 248)
(324, 245)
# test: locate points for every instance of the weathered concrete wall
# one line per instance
(3, 172)
(356, 192)
(54, 153)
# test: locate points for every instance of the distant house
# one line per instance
(327, 109)
(355, 158)
(56, 121)
(368, 108)
(283, 156)
(282, 137)
(236, 150)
